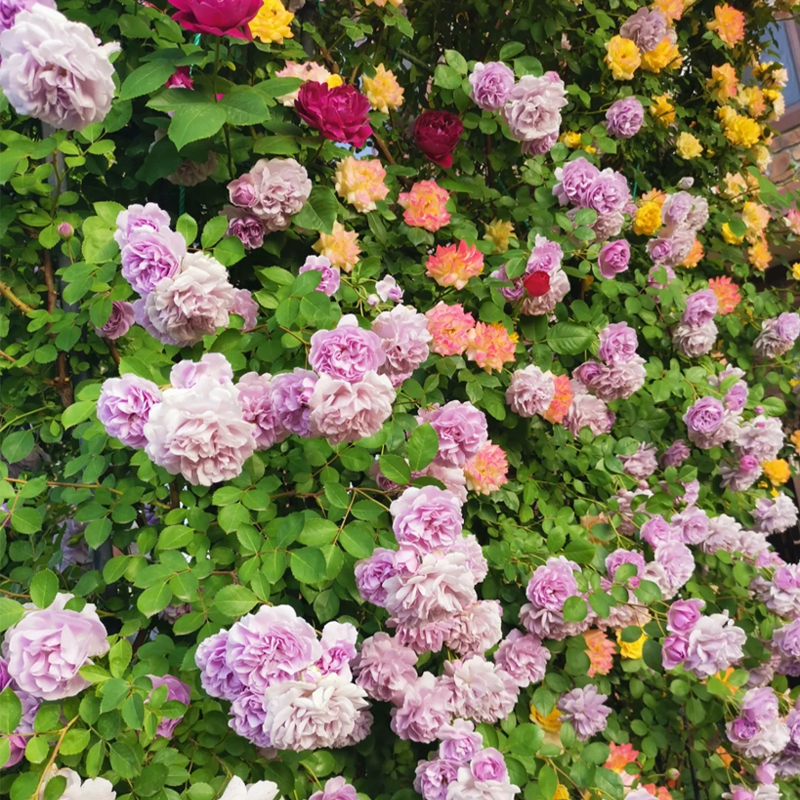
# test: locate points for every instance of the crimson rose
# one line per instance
(537, 284)
(339, 114)
(221, 17)
(437, 134)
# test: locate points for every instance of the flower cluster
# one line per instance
(620, 370)
(288, 689)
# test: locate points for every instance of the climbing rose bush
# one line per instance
(396, 401)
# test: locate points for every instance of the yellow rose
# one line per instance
(498, 232)
(795, 440)
(796, 270)
(571, 139)
(382, 90)
(334, 81)
(623, 58)
(688, 146)
(632, 650)
(647, 220)
(550, 723)
(777, 471)
(561, 792)
(662, 110)
(759, 255)
(729, 236)
(666, 55)
(271, 24)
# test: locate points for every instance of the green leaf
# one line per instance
(195, 122)
(423, 445)
(575, 609)
(356, 540)
(446, 77)
(124, 760)
(396, 469)
(245, 106)
(26, 520)
(319, 212)
(10, 711)
(187, 227)
(154, 599)
(567, 338)
(308, 565)
(77, 412)
(234, 601)
(17, 445)
(595, 753)
(548, 782)
(119, 657)
(213, 231)
(146, 79)
(456, 61)
(75, 741)
(10, 613)
(44, 588)
(525, 739)
(509, 50)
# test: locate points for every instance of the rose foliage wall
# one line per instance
(394, 402)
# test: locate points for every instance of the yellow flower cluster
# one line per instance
(796, 270)
(665, 55)
(795, 439)
(758, 255)
(632, 650)
(756, 218)
(662, 109)
(271, 24)
(688, 146)
(729, 236)
(648, 219)
(383, 91)
(723, 83)
(498, 232)
(739, 130)
(777, 471)
(622, 57)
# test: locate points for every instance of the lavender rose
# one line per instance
(533, 108)
(491, 85)
(624, 118)
(124, 407)
(255, 397)
(385, 669)
(426, 519)
(646, 28)
(575, 178)
(55, 70)
(149, 256)
(176, 690)
(346, 353)
(216, 677)
(329, 280)
(291, 393)
(531, 391)
(246, 227)
(585, 709)
(48, 647)
(462, 431)
(405, 339)
(120, 321)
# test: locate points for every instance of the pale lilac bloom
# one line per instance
(459, 741)
(216, 676)
(124, 407)
(530, 391)
(588, 411)
(433, 777)
(476, 629)
(425, 708)
(335, 789)
(480, 690)
(149, 256)
(462, 430)
(490, 85)
(245, 307)
(329, 282)
(10, 8)
(246, 227)
(176, 690)
(385, 668)
(120, 321)
(291, 393)
(624, 118)
(585, 709)
(575, 178)
(426, 519)
(388, 290)
(691, 526)
(56, 70)
(405, 339)
(775, 515)
(533, 108)
(694, 341)
(372, 573)
(255, 398)
(185, 374)
(646, 28)
(641, 464)
(677, 562)
(700, 308)
(347, 352)
(614, 258)
(523, 657)
(248, 716)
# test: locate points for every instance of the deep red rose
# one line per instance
(537, 284)
(437, 134)
(339, 114)
(222, 17)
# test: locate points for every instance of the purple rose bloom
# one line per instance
(249, 718)
(291, 392)
(608, 193)
(491, 85)
(329, 283)
(678, 562)
(120, 321)
(533, 108)
(531, 391)
(618, 342)
(176, 690)
(787, 640)
(489, 765)
(347, 352)
(426, 707)
(523, 657)
(706, 416)
(645, 28)
(216, 677)
(715, 643)
(553, 583)
(575, 178)
(433, 778)
(654, 276)
(585, 710)
(274, 190)
(540, 146)
(660, 250)
(625, 117)
(462, 430)
(186, 374)
(335, 789)
(385, 668)
(246, 227)
(656, 531)
(675, 454)
(614, 258)
(47, 648)
(607, 226)
(788, 326)
(680, 242)
(691, 525)
(10, 8)
(405, 339)
(149, 217)
(245, 307)
(459, 741)
(590, 412)
(683, 616)
(258, 408)
(149, 256)
(271, 646)
(56, 70)
(372, 573)
(641, 464)
(426, 519)
(700, 308)
(546, 256)
(692, 341)
(242, 191)
(673, 651)
(124, 407)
